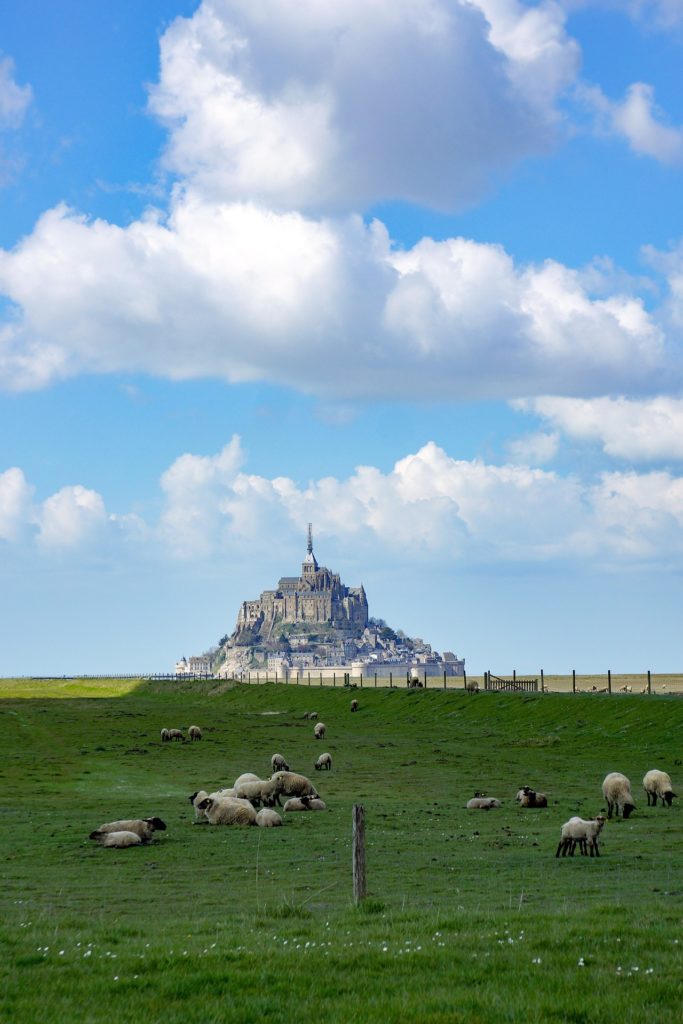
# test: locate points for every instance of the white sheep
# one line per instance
(658, 784)
(278, 763)
(482, 803)
(472, 686)
(194, 733)
(246, 777)
(319, 731)
(305, 803)
(165, 735)
(143, 827)
(324, 762)
(228, 811)
(196, 800)
(530, 798)
(268, 818)
(585, 833)
(616, 790)
(176, 734)
(293, 784)
(117, 840)
(266, 793)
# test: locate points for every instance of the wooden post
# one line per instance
(464, 678)
(321, 678)
(609, 680)
(309, 678)
(542, 682)
(375, 680)
(649, 682)
(444, 680)
(425, 679)
(358, 852)
(514, 675)
(391, 679)
(573, 680)
(334, 678)
(361, 680)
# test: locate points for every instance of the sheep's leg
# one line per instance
(560, 847)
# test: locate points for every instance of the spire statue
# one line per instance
(309, 546)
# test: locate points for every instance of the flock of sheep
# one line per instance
(616, 790)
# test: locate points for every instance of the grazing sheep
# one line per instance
(292, 784)
(268, 818)
(257, 793)
(165, 735)
(324, 761)
(278, 763)
(194, 733)
(585, 833)
(482, 803)
(143, 827)
(176, 734)
(117, 840)
(530, 798)
(305, 803)
(658, 784)
(616, 790)
(354, 705)
(247, 777)
(228, 811)
(310, 714)
(472, 687)
(319, 731)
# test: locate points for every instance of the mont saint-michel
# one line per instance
(314, 623)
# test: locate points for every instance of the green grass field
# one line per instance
(469, 917)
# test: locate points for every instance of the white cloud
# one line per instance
(643, 430)
(534, 449)
(15, 504)
(639, 120)
(352, 101)
(14, 99)
(70, 517)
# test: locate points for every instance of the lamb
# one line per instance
(658, 784)
(354, 705)
(305, 803)
(482, 803)
(530, 798)
(292, 784)
(324, 761)
(228, 811)
(278, 763)
(143, 827)
(117, 840)
(176, 734)
(616, 790)
(268, 818)
(165, 736)
(194, 733)
(266, 793)
(585, 833)
(246, 777)
(319, 731)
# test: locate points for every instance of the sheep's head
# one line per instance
(628, 810)
(206, 804)
(600, 819)
(156, 824)
(669, 797)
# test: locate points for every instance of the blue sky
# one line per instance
(409, 270)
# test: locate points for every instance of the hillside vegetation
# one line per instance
(469, 917)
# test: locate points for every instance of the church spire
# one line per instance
(309, 546)
(309, 564)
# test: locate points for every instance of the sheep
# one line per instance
(278, 763)
(268, 818)
(143, 827)
(194, 733)
(482, 803)
(585, 833)
(228, 811)
(324, 761)
(266, 793)
(310, 714)
(616, 790)
(658, 784)
(319, 731)
(305, 803)
(176, 734)
(196, 799)
(117, 840)
(626, 689)
(354, 705)
(165, 736)
(292, 784)
(472, 687)
(530, 798)
(246, 777)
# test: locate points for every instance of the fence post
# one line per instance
(358, 853)
(391, 680)
(464, 678)
(334, 678)
(361, 680)
(542, 682)
(444, 680)
(649, 682)
(425, 679)
(321, 678)
(309, 678)
(573, 680)
(375, 680)
(514, 675)
(609, 680)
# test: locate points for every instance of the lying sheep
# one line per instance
(194, 733)
(305, 803)
(143, 827)
(585, 833)
(319, 731)
(165, 735)
(196, 799)
(278, 763)
(293, 784)
(176, 734)
(310, 714)
(228, 811)
(658, 784)
(246, 777)
(324, 761)
(482, 803)
(354, 705)
(257, 793)
(117, 840)
(616, 790)
(268, 818)
(530, 798)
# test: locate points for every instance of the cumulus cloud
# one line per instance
(534, 449)
(644, 430)
(69, 517)
(348, 102)
(639, 120)
(14, 99)
(15, 504)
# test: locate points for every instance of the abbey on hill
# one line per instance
(313, 622)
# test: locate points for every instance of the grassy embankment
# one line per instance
(470, 916)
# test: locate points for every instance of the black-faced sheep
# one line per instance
(530, 798)
(176, 734)
(257, 793)
(278, 763)
(293, 784)
(354, 705)
(165, 735)
(319, 731)
(305, 803)
(196, 799)
(585, 833)
(268, 818)
(658, 784)
(143, 827)
(616, 790)
(194, 733)
(228, 811)
(482, 803)
(324, 762)
(117, 840)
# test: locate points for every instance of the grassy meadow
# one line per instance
(469, 918)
